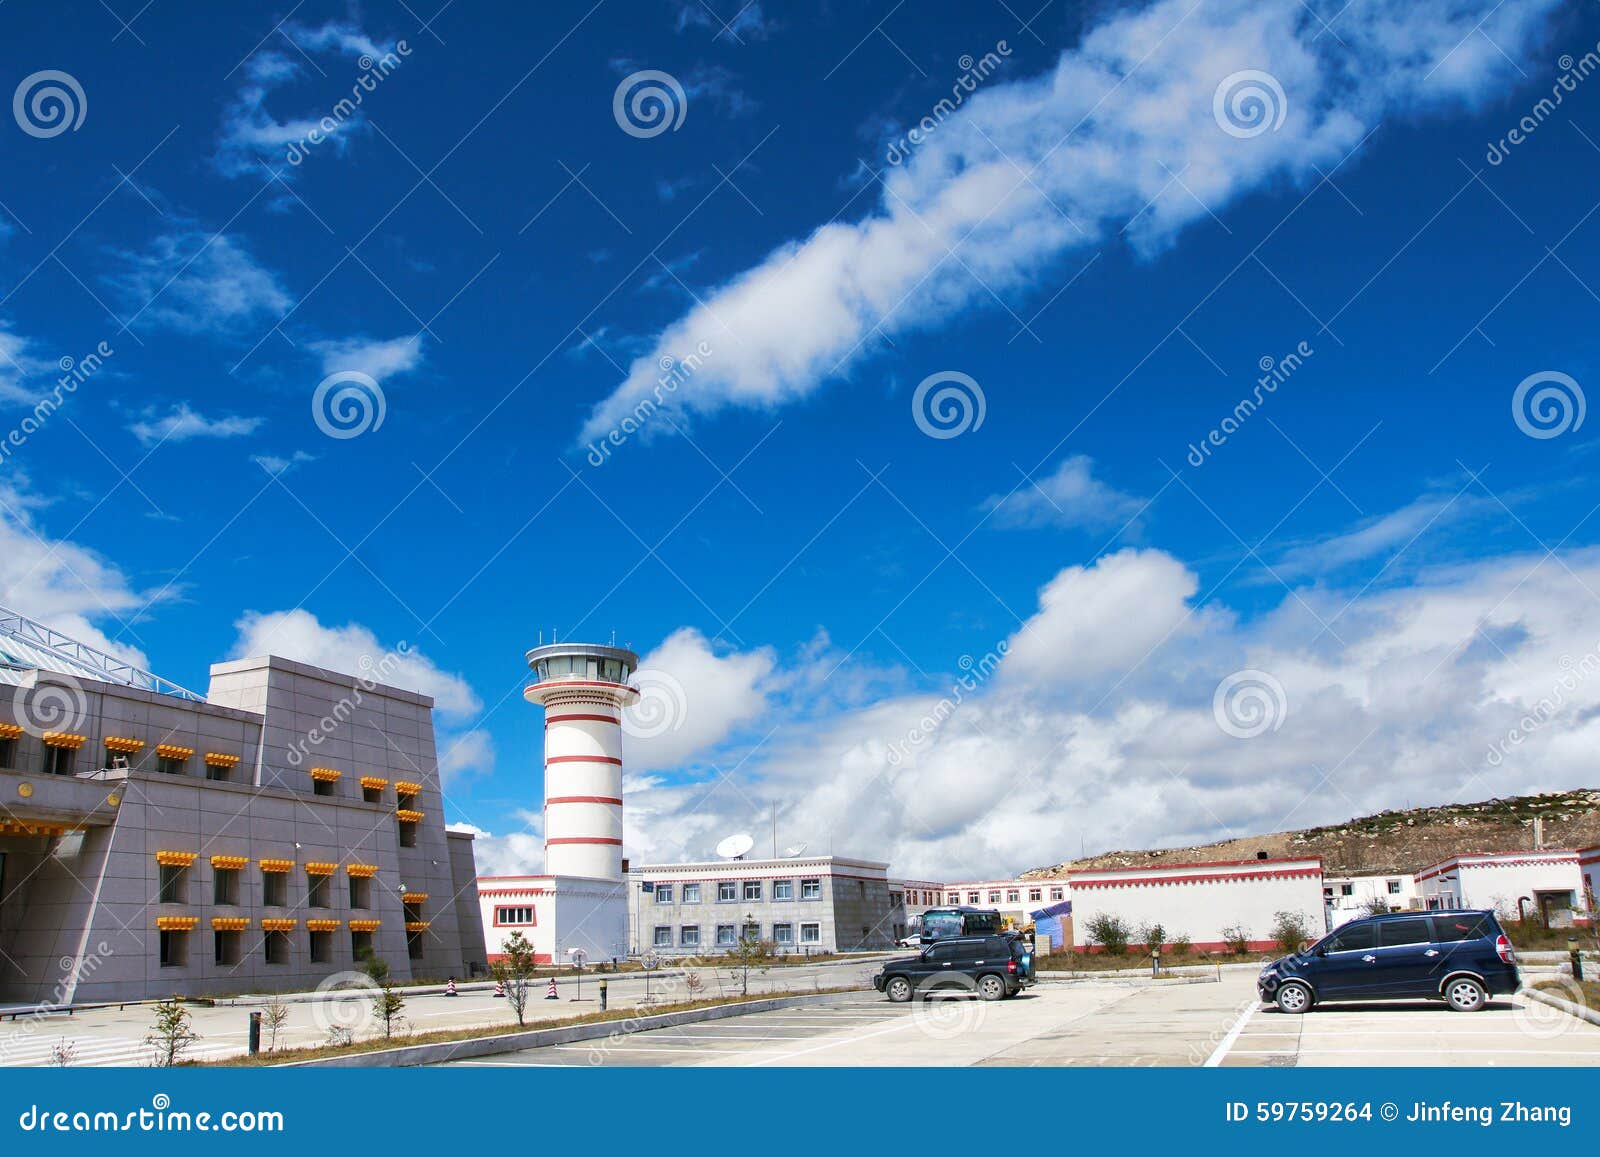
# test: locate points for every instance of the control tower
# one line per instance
(583, 688)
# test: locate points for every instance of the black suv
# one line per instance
(994, 967)
(1459, 957)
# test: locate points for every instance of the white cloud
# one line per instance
(1026, 171)
(1072, 496)
(18, 365)
(1387, 534)
(354, 650)
(380, 358)
(464, 754)
(183, 423)
(195, 282)
(1085, 738)
(693, 699)
(519, 853)
(276, 464)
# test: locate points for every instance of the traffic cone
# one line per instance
(450, 987)
(499, 988)
(550, 992)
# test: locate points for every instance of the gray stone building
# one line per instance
(810, 904)
(262, 837)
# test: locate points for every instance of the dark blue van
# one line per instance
(1459, 957)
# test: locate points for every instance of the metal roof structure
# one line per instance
(27, 644)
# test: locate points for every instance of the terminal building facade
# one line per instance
(259, 838)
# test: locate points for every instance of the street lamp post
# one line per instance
(1577, 958)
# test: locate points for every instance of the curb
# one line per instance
(1125, 981)
(1565, 1006)
(410, 1055)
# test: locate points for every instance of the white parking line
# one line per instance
(1227, 1042)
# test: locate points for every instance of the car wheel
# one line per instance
(898, 990)
(991, 987)
(1293, 997)
(1464, 994)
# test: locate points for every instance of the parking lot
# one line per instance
(1098, 1024)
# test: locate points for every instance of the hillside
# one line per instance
(1393, 841)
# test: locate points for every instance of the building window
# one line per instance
(321, 786)
(174, 949)
(1035, 895)
(1347, 889)
(811, 933)
(413, 911)
(1394, 887)
(783, 889)
(972, 897)
(994, 896)
(321, 947)
(414, 945)
(955, 897)
(318, 892)
(360, 945)
(514, 916)
(783, 933)
(360, 892)
(58, 760)
(811, 889)
(727, 936)
(727, 892)
(227, 948)
(173, 884)
(224, 886)
(1013, 896)
(371, 794)
(752, 934)
(1056, 894)
(408, 834)
(663, 937)
(169, 765)
(663, 893)
(691, 893)
(219, 773)
(276, 946)
(752, 890)
(275, 889)
(689, 936)
(8, 753)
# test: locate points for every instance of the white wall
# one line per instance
(1498, 881)
(1199, 901)
(1365, 889)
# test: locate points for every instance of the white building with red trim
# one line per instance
(1200, 901)
(1518, 885)
(1589, 868)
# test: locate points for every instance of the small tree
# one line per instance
(274, 1016)
(1152, 936)
(515, 972)
(1237, 939)
(1291, 930)
(387, 1003)
(694, 982)
(1110, 932)
(1181, 946)
(1375, 906)
(63, 1053)
(747, 951)
(172, 1033)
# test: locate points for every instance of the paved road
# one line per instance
(1099, 1023)
(111, 1036)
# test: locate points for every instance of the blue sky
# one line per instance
(1096, 235)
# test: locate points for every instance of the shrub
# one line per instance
(1237, 939)
(1110, 932)
(1291, 930)
(1181, 946)
(1152, 936)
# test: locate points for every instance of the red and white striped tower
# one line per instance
(583, 688)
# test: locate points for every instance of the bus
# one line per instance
(943, 923)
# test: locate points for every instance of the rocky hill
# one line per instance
(1394, 841)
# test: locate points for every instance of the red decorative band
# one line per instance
(584, 840)
(584, 799)
(582, 759)
(549, 719)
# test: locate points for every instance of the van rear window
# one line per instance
(1394, 932)
(1449, 929)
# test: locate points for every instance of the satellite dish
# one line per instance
(791, 853)
(734, 847)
